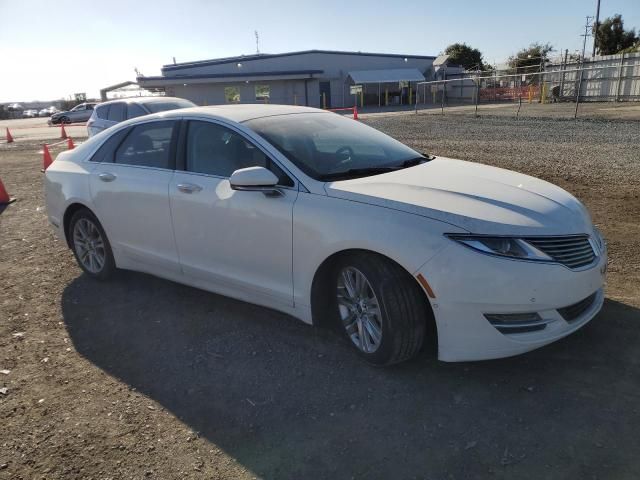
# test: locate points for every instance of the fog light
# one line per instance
(509, 323)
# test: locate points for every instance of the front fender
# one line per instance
(323, 226)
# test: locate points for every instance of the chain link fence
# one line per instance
(610, 79)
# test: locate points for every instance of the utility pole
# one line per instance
(595, 31)
(587, 25)
(255, 32)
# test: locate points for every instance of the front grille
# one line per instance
(572, 312)
(573, 251)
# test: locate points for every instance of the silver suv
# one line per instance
(110, 113)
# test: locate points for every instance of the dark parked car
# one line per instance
(79, 113)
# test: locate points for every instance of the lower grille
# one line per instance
(573, 312)
(517, 322)
(573, 251)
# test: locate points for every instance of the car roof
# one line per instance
(234, 113)
(242, 113)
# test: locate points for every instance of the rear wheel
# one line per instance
(381, 309)
(90, 245)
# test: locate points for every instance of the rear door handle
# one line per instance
(107, 177)
(189, 187)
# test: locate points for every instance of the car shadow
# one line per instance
(291, 401)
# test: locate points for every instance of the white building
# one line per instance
(318, 78)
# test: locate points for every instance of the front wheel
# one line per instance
(381, 309)
(90, 245)
(65, 120)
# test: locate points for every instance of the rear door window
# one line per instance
(134, 110)
(117, 112)
(106, 152)
(102, 112)
(148, 145)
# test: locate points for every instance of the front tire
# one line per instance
(90, 245)
(380, 307)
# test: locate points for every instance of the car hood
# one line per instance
(478, 198)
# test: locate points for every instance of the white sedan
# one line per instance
(335, 223)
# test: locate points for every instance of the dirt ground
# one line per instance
(144, 378)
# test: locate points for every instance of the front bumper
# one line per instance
(467, 285)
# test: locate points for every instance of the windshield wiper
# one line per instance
(412, 162)
(358, 172)
(365, 172)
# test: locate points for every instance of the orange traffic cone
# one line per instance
(4, 196)
(9, 137)
(63, 133)
(355, 113)
(46, 158)
(70, 145)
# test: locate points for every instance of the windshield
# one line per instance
(155, 107)
(327, 146)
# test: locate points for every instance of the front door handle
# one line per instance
(189, 187)
(107, 177)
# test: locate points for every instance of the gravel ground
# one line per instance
(144, 378)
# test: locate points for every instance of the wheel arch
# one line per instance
(321, 313)
(68, 215)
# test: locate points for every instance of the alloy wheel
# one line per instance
(89, 245)
(359, 310)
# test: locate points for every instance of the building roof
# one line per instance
(262, 56)
(144, 99)
(387, 75)
(204, 76)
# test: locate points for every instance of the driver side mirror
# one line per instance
(255, 179)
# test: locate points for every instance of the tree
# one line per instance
(529, 59)
(462, 54)
(611, 37)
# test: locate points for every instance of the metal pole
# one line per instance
(379, 103)
(595, 31)
(495, 80)
(444, 85)
(444, 90)
(477, 94)
(619, 78)
(575, 114)
(417, 96)
(584, 46)
(563, 67)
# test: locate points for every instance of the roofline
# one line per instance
(224, 75)
(260, 56)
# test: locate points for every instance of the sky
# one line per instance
(50, 49)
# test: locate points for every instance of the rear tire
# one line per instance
(380, 308)
(90, 245)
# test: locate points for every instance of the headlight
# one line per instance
(502, 247)
(599, 239)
